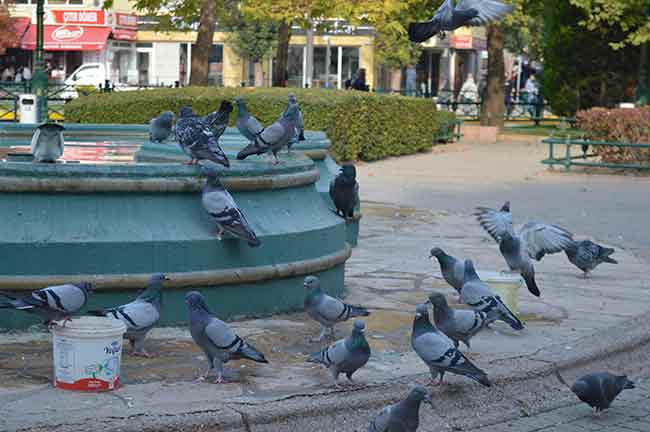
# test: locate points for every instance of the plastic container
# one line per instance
(505, 285)
(28, 108)
(87, 354)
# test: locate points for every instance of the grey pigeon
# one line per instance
(274, 137)
(439, 353)
(346, 355)
(587, 255)
(219, 343)
(403, 416)
(196, 135)
(52, 303)
(453, 270)
(598, 390)
(533, 241)
(458, 325)
(478, 295)
(247, 125)
(47, 142)
(449, 17)
(218, 202)
(140, 315)
(160, 128)
(300, 124)
(344, 191)
(325, 309)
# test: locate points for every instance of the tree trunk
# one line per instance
(396, 80)
(493, 105)
(204, 39)
(282, 55)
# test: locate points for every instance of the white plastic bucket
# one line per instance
(87, 354)
(505, 285)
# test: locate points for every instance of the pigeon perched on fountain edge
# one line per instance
(325, 309)
(198, 136)
(52, 303)
(247, 125)
(346, 355)
(140, 315)
(449, 17)
(47, 142)
(217, 340)
(404, 416)
(344, 191)
(160, 128)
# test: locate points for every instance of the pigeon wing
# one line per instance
(487, 10)
(540, 239)
(222, 336)
(222, 207)
(381, 422)
(137, 315)
(272, 135)
(330, 308)
(35, 137)
(495, 222)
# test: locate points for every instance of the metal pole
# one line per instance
(328, 59)
(310, 55)
(39, 78)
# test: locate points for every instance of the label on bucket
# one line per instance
(87, 364)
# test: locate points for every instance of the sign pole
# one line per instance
(39, 78)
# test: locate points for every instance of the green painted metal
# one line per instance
(107, 232)
(569, 160)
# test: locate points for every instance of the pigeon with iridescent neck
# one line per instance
(198, 136)
(160, 128)
(246, 124)
(47, 142)
(274, 137)
(459, 325)
(404, 416)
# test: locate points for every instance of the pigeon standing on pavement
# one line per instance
(458, 325)
(344, 191)
(478, 295)
(247, 125)
(533, 241)
(274, 137)
(403, 416)
(218, 202)
(140, 315)
(598, 390)
(160, 128)
(52, 303)
(327, 310)
(219, 343)
(196, 135)
(587, 255)
(300, 124)
(438, 352)
(346, 355)
(452, 269)
(449, 17)
(47, 142)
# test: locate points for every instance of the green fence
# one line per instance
(587, 158)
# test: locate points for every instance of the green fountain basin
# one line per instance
(116, 224)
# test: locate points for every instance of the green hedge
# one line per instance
(360, 125)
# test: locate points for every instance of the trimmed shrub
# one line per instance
(624, 125)
(360, 125)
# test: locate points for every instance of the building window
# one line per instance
(320, 72)
(349, 63)
(295, 66)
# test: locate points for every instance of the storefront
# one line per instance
(122, 51)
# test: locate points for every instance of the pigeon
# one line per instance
(598, 390)
(219, 343)
(458, 325)
(52, 303)
(346, 355)
(160, 128)
(534, 240)
(449, 17)
(587, 255)
(247, 125)
(47, 142)
(438, 351)
(452, 270)
(478, 295)
(327, 310)
(218, 202)
(196, 135)
(344, 191)
(300, 124)
(403, 416)
(274, 137)
(140, 315)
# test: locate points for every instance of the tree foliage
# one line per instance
(8, 36)
(523, 28)
(253, 39)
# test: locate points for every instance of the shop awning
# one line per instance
(125, 34)
(68, 38)
(20, 25)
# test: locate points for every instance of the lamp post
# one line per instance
(39, 78)
(643, 89)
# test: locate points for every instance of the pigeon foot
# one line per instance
(143, 353)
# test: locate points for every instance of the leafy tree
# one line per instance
(628, 16)
(8, 36)
(253, 39)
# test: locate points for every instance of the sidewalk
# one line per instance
(390, 273)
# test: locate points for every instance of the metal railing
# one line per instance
(587, 158)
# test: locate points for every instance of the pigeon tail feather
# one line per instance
(421, 31)
(511, 319)
(251, 353)
(357, 311)
(531, 285)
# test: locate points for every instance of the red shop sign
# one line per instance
(83, 17)
(461, 41)
(126, 20)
